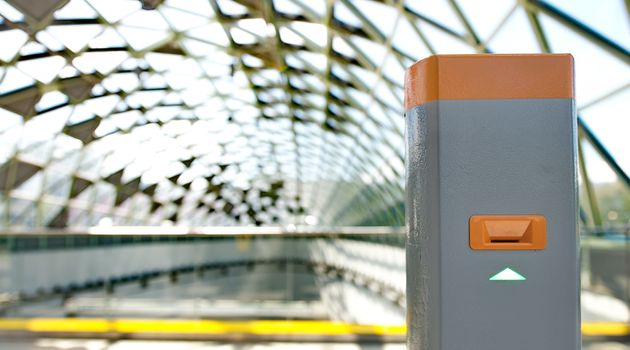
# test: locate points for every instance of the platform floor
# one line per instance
(71, 344)
(264, 293)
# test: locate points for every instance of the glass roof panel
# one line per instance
(75, 37)
(602, 71)
(612, 111)
(9, 12)
(76, 9)
(485, 22)
(514, 36)
(610, 20)
(44, 69)
(439, 11)
(12, 41)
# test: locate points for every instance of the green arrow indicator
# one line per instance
(508, 274)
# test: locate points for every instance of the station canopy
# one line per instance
(247, 112)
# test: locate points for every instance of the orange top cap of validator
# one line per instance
(488, 77)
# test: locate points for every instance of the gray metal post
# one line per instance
(492, 243)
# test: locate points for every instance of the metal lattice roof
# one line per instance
(218, 112)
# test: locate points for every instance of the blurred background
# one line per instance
(196, 174)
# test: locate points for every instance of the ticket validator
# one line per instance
(492, 243)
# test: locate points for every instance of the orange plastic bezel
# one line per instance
(507, 232)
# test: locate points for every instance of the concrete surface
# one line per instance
(72, 344)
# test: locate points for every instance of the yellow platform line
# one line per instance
(610, 329)
(263, 327)
(270, 327)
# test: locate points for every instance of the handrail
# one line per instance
(205, 231)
